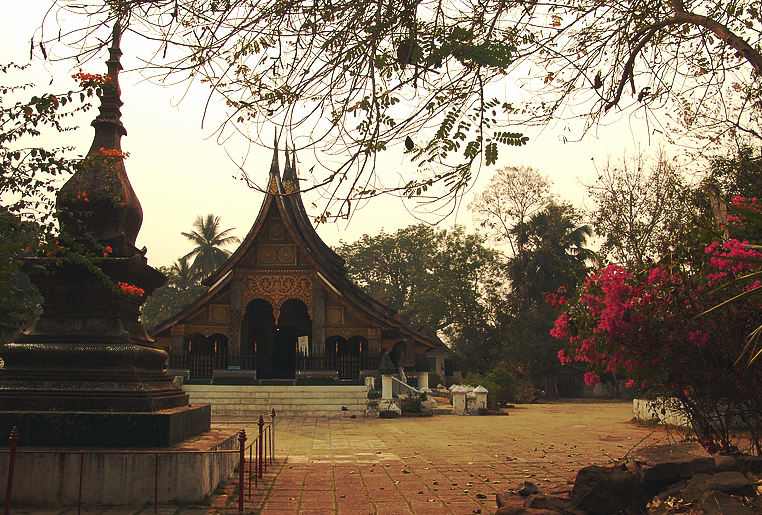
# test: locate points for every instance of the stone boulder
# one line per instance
(715, 502)
(729, 482)
(661, 465)
(605, 490)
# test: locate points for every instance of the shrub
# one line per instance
(386, 367)
(412, 404)
(647, 327)
(422, 363)
(500, 384)
(434, 380)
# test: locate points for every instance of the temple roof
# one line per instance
(283, 193)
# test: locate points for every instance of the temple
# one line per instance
(281, 309)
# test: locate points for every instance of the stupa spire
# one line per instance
(98, 204)
(108, 124)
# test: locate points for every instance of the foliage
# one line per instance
(440, 282)
(645, 327)
(422, 362)
(386, 366)
(434, 379)
(513, 195)
(352, 76)
(208, 239)
(412, 403)
(555, 255)
(169, 300)
(697, 63)
(500, 384)
(19, 300)
(356, 78)
(642, 210)
(29, 175)
(736, 177)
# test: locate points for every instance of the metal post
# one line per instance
(156, 484)
(81, 474)
(250, 446)
(241, 467)
(261, 425)
(272, 440)
(14, 438)
(267, 448)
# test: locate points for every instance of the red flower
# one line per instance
(131, 289)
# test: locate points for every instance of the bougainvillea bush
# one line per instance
(651, 328)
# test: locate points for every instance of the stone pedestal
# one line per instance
(459, 399)
(480, 398)
(386, 387)
(423, 381)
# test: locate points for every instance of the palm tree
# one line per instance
(555, 253)
(182, 275)
(208, 240)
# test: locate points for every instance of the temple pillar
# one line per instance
(235, 319)
(318, 319)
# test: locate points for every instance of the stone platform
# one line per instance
(50, 477)
(161, 428)
(248, 402)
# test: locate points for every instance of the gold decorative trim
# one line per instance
(277, 289)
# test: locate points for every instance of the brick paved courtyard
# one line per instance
(433, 465)
(444, 464)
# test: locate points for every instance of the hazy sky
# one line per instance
(179, 173)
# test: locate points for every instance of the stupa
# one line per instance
(86, 373)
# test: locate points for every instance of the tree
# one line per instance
(512, 196)
(182, 289)
(357, 77)
(182, 275)
(208, 239)
(440, 282)
(554, 262)
(642, 210)
(353, 77)
(555, 255)
(696, 64)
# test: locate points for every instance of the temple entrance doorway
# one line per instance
(199, 352)
(294, 323)
(258, 336)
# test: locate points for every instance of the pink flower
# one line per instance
(592, 379)
(561, 327)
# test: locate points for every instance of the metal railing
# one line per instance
(202, 365)
(261, 454)
(348, 366)
(398, 387)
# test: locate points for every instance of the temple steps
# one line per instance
(241, 402)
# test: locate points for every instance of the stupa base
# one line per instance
(162, 428)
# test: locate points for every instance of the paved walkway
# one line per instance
(444, 464)
(433, 465)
